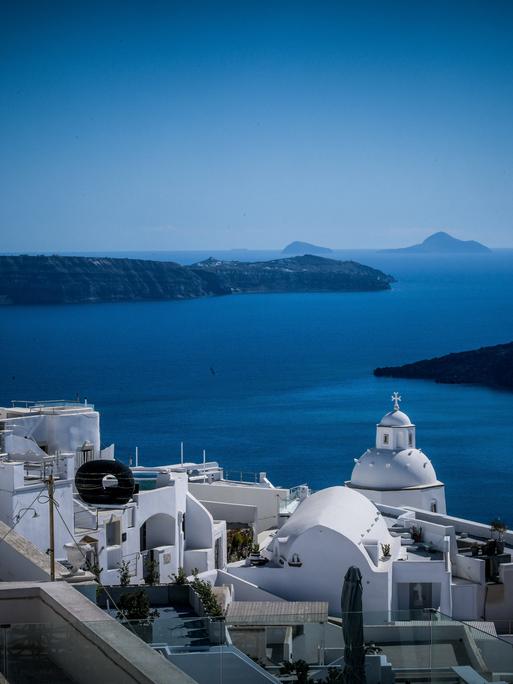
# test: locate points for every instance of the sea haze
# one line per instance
(283, 383)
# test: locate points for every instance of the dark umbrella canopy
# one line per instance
(352, 627)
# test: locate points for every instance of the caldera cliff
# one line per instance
(70, 279)
(491, 366)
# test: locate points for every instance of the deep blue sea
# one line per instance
(283, 383)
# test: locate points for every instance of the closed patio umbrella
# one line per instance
(352, 627)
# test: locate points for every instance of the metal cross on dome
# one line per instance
(396, 398)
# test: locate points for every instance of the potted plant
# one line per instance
(124, 573)
(372, 649)
(255, 558)
(385, 549)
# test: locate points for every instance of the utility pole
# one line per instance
(51, 489)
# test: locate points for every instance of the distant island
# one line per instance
(442, 243)
(491, 366)
(300, 248)
(67, 279)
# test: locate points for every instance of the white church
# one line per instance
(395, 472)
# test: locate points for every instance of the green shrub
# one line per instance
(207, 597)
(180, 577)
(136, 606)
(240, 543)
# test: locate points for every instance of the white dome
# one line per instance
(340, 509)
(395, 419)
(386, 469)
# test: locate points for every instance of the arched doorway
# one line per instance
(157, 530)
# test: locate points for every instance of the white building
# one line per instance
(337, 528)
(166, 524)
(36, 440)
(330, 531)
(395, 471)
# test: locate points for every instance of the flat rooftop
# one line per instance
(26, 408)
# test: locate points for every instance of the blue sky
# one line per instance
(218, 125)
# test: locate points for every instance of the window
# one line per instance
(113, 533)
(410, 439)
(386, 438)
(433, 507)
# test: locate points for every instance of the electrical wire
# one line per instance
(85, 558)
(20, 518)
(46, 499)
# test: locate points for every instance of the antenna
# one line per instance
(51, 490)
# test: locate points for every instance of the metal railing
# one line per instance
(405, 646)
(132, 559)
(296, 495)
(35, 406)
(241, 476)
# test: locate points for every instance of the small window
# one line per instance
(433, 507)
(410, 439)
(113, 533)
(386, 438)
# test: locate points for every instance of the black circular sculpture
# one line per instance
(96, 487)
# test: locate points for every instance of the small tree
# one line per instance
(124, 573)
(95, 569)
(180, 577)
(151, 575)
(207, 597)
